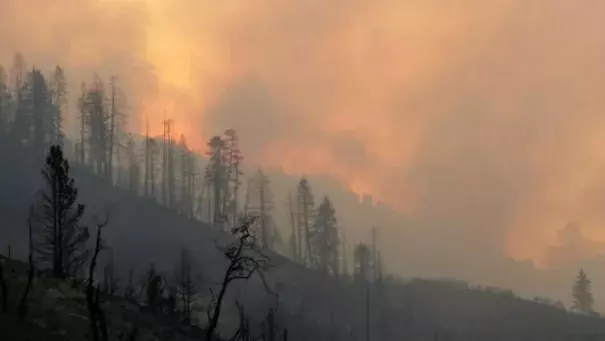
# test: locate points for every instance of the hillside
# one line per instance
(309, 304)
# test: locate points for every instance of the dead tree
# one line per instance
(96, 314)
(244, 261)
(186, 288)
(30, 273)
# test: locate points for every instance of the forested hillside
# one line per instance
(171, 225)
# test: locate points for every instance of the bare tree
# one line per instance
(186, 288)
(30, 273)
(96, 314)
(244, 261)
(260, 203)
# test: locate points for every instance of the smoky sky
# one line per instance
(480, 119)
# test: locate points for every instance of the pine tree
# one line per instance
(17, 80)
(98, 128)
(60, 240)
(37, 112)
(582, 297)
(58, 89)
(233, 160)
(216, 179)
(324, 236)
(84, 122)
(305, 214)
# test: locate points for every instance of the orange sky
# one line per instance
(484, 116)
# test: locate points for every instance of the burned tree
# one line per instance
(98, 324)
(61, 241)
(30, 272)
(260, 203)
(244, 261)
(186, 288)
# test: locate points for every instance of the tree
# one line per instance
(61, 241)
(58, 92)
(168, 192)
(95, 313)
(133, 166)
(187, 178)
(244, 261)
(186, 288)
(215, 179)
(233, 160)
(84, 122)
(260, 203)
(17, 75)
(33, 122)
(31, 267)
(582, 297)
(325, 238)
(306, 214)
(98, 127)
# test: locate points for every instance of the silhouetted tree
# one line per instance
(84, 123)
(186, 288)
(260, 203)
(168, 180)
(58, 93)
(233, 160)
(306, 214)
(325, 238)
(98, 128)
(583, 300)
(244, 261)
(23, 309)
(133, 166)
(215, 180)
(35, 114)
(61, 241)
(20, 124)
(98, 324)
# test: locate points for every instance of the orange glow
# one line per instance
(487, 115)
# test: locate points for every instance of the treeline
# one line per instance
(33, 106)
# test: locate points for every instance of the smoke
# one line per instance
(480, 119)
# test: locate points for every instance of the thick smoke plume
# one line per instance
(482, 121)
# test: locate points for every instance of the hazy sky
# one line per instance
(486, 118)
